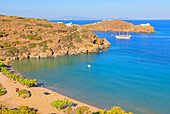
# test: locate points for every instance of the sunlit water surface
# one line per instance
(133, 74)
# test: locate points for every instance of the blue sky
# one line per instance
(50, 9)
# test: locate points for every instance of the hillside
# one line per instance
(22, 38)
(118, 25)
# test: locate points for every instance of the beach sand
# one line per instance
(37, 100)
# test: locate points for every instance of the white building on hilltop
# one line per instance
(69, 24)
(147, 24)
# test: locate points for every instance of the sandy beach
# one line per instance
(37, 100)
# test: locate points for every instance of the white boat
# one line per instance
(89, 66)
(123, 37)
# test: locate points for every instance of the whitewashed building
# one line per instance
(69, 24)
(147, 24)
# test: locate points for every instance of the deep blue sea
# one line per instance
(133, 74)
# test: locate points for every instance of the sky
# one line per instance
(94, 9)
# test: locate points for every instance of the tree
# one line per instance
(114, 110)
(60, 104)
(83, 110)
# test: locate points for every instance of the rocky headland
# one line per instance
(22, 38)
(118, 25)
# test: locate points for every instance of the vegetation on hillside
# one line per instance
(22, 38)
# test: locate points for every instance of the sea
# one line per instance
(133, 74)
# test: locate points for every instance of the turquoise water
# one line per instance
(133, 74)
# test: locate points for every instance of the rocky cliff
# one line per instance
(22, 38)
(118, 25)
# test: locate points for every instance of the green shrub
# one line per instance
(114, 110)
(4, 70)
(2, 93)
(83, 110)
(1, 33)
(76, 35)
(39, 19)
(6, 20)
(45, 48)
(89, 45)
(17, 42)
(22, 36)
(39, 24)
(20, 92)
(1, 59)
(32, 45)
(84, 30)
(26, 25)
(30, 31)
(1, 88)
(44, 42)
(61, 23)
(72, 46)
(39, 29)
(13, 76)
(44, 25)
(47, 25)
(26, 19)
(49, 32)
(84, 36)
(50, 50)
(40, 44)
(60, 104)
(5, 44)
(79, 40)
(16, 77)
(2, 63)
(22, 46)
(34, 37)
(19, 17)
(15, 32)
(50, 41)
(14, 49)
(18, 110)
(69, 110)
(27, 82)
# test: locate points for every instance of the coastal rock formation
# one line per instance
(22, 38)
(118, 25)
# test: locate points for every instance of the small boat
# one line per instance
(89, 66)
(123, 37)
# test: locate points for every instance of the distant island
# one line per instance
(118, 25)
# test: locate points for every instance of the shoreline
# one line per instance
(53, 94)
(46, 87)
